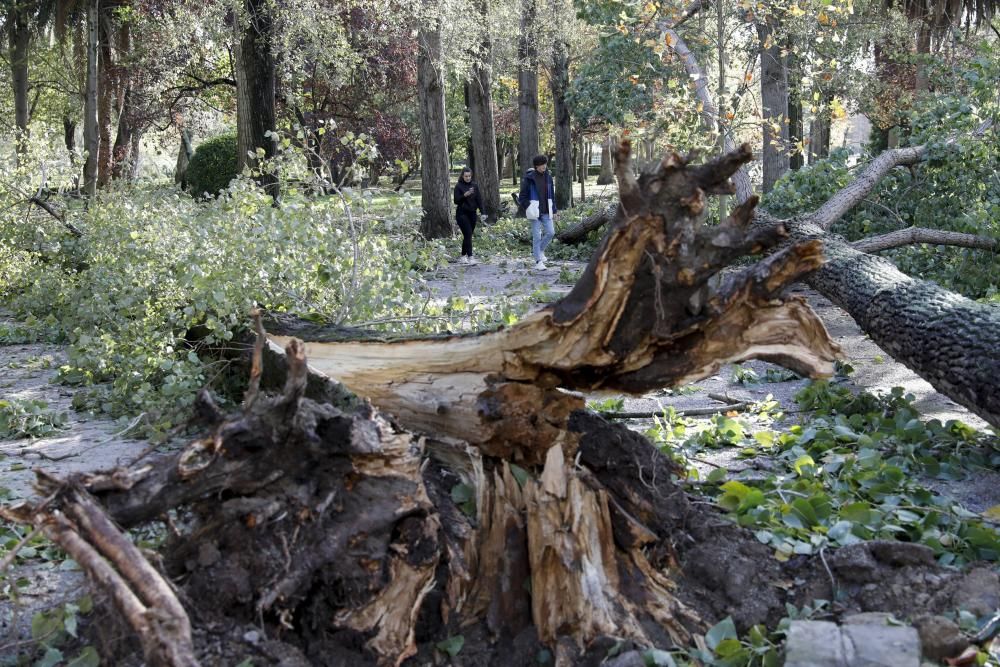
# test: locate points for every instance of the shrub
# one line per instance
(212, 166)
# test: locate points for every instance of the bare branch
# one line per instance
(875, 171)
(861, 187)
(709, 112)
(912, 235)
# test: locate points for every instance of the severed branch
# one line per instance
(71, 518)
(912, 235)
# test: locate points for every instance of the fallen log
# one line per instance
(578, 232)
(648, 312)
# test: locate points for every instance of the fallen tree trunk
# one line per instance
(947, 339)
(645, 314)
(580, 230)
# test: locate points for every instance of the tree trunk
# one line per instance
(582, 229)
(105, 99)
(484, 139)
(184, 154)
(69, 137)
(122, 154)
(950, 341)
(607, 175)
(795, 131)
(255, 84)
(434, 159)
(774, 102)
(91, 137)
(559, 84)
(584, 162)
(819, 133)
(527, 86)
(19, 39)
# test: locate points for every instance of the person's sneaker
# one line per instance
(464, 259)
(471, 260)
(540, 265)
(544, 258)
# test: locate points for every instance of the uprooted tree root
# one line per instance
(328, 533)
(340, 537)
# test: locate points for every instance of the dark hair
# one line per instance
(465, 170)
(539, 159)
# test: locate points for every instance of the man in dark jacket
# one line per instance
(537, 200)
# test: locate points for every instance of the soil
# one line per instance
(724, 571)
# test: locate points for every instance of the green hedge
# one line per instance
(212, 166)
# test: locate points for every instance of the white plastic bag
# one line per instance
(531, 213)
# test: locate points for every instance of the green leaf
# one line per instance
(655, 657)
(724, 629)
(452, 645)
(89, 657)
(52, 657)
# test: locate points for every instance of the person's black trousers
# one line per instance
(467, 223)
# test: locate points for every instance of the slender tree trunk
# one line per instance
(255, 81)
(513, 165)
(774, 99)
(69, 138)
(584, 162)
(720, 36)
(105, 99)
(819, 133)
(795, 131)
(607, 175)
(484, 139)
(434, 159)
(19, 37)
(122, 153)
(559, 83)
(527, 81)
(923, 49)
(91, 138)
(183, 158)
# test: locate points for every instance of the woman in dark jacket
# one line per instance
(467, 202)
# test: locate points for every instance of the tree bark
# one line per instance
(819, 133)
(434, 159)
(950, 341)
(559, 84)
(795, 130)
(255, 85)
(107, 77)
(774, 102)
(527, 86)
(607, 175)
(911, 235)
(481, 125)
(19, 40)
(184, 154)
(91, 137)
(580, 230)
(69, 137)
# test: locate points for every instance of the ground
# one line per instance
(90, 443)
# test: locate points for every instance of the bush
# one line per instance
(212, 166)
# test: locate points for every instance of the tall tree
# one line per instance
(91, 138)
(774, 102)
(559, 84)
(19, 39)
(527, 85)
(434, 159)
(255, 83)
(479, 94)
